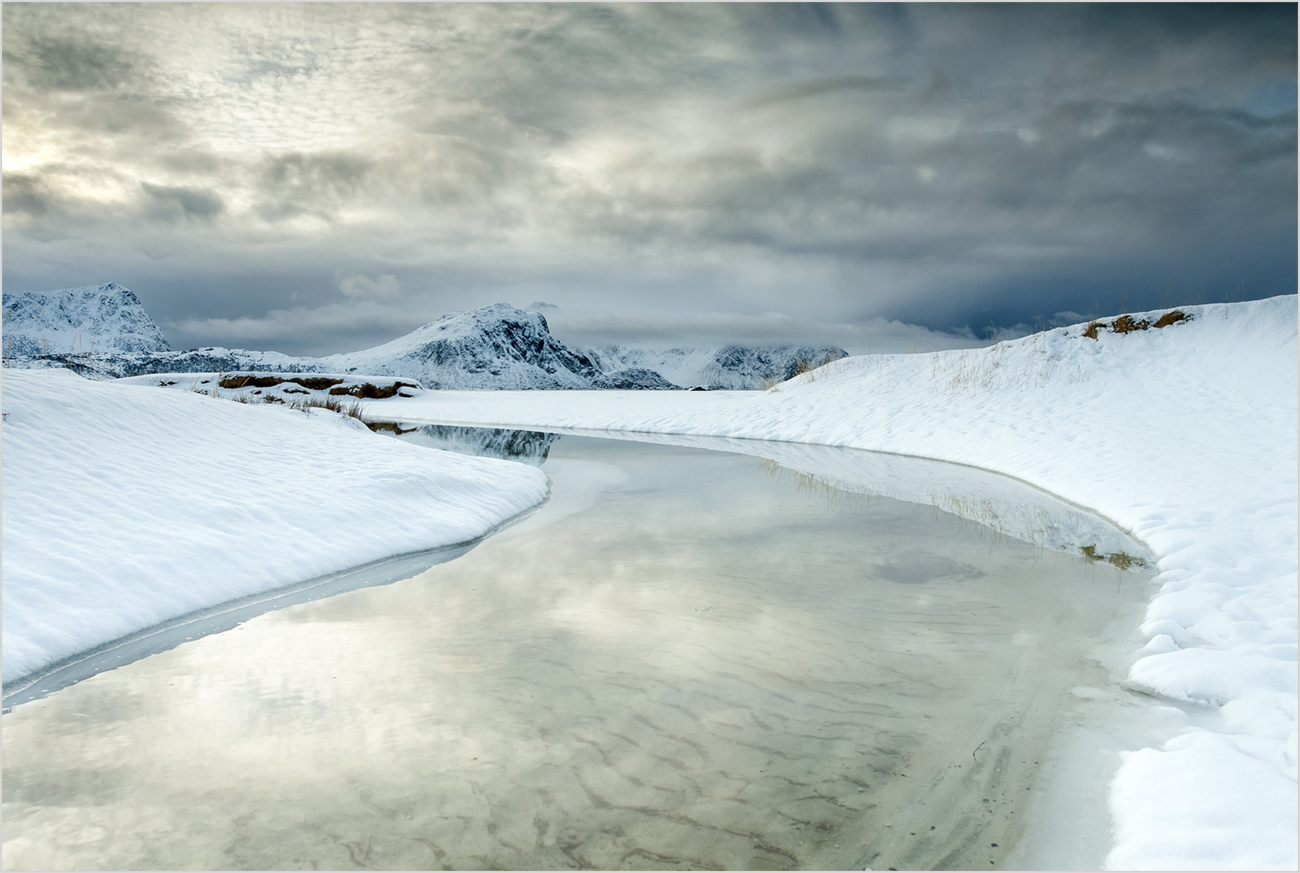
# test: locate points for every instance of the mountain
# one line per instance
(493, 347)
(103, 332)
(95, 319)
(718, 368)
(633, 378)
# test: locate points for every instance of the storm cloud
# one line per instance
(315, 178)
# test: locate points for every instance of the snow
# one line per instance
(1185, 436)
(126, 506)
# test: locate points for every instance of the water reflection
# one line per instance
(527, 446)
(1001, 505)
(697, 667)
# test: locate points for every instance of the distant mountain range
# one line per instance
(103, 331)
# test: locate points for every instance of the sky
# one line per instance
(322, 178)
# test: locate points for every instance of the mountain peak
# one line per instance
(103, 319)
(496, 346)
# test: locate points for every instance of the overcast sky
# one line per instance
(321, 178)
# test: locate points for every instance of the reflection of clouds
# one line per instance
(917, 566)
(617, 679)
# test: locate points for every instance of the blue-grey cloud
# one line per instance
(950, 165)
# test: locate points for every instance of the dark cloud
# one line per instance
(950, 164)
(296, 183)
(58, 64)
(817, 87)
(174, 203)
(26, 195)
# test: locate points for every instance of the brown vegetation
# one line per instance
(315, 383)
(1126, 324)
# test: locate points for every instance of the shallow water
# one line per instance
(688, 659)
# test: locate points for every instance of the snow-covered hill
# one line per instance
(727, 368)
(95, 319)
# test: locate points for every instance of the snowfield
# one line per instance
(125, 506)
(1184, 435)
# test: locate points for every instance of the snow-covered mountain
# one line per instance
(494, 347)
(725, 368)
(633, 378)
(103, 332)
(95, 319)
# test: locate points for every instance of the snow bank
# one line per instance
(125, 506)
(1185, 435)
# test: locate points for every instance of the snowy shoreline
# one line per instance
(1184, 435)
(126, 507)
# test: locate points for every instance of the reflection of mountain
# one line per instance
(527, 446)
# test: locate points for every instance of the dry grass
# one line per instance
(803, 367)
(350, 408)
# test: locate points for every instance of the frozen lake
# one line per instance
(688, 658)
